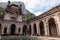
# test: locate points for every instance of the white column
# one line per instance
(38, 28)
(2, 29)
(32, 30)
(27, 27)
(8, 30)
(21, 31)
(57, 21)
(46, 27)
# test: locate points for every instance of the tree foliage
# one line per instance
(29, 16)
(1, 10)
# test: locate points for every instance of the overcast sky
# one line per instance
(38, 6)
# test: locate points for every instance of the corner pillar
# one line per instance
(38, 29)
(32, 31)
(57, 21)
(46, 27)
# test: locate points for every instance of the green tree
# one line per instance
(1, 10)
(29, 16)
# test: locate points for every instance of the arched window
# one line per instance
(24, 29)
(41, 25)
(13, 28)
(52, 27)
(35, 29)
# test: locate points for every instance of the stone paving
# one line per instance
(28, 38)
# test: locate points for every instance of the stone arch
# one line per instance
(30, 29)
(24, 29)
(12, 29)
(41, 25)
(19, 29)
(52, 27)
(5, 31)
(35, 29)
(0, 28)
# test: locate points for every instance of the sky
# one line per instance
(37, 6)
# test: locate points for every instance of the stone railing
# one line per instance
(28, 38)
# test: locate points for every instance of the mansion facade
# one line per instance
(13, 22)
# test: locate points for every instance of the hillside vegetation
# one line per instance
(29, 15)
